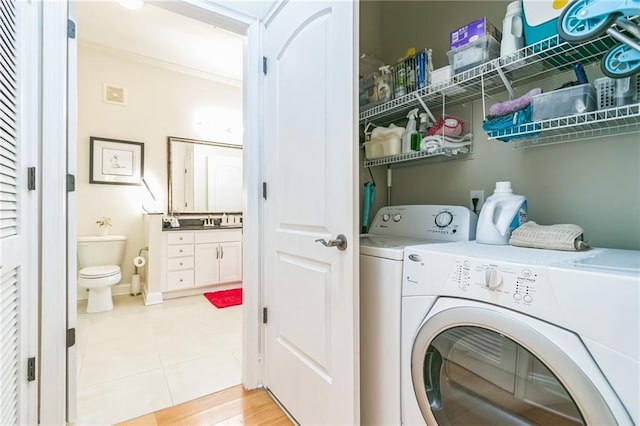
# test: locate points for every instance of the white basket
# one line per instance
(606, 91)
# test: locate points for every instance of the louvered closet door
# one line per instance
(18, 222)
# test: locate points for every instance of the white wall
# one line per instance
(593, 183)
(161, 103)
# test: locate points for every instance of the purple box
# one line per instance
(472, 32)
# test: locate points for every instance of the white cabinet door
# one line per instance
(230, 262)
(311, 291)
(207, 265)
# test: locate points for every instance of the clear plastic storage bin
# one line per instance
(473, 54)
(564, 102)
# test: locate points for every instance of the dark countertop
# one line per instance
(202, 228)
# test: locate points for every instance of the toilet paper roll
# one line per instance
(139, 262)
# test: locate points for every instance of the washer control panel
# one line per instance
(520, 284)
(437, 270)
(438, 222)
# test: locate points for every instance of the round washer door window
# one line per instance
(473, 375)
(475, 364)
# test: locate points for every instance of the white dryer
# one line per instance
(381, 256)
(509, 335)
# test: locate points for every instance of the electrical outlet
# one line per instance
(479, 194)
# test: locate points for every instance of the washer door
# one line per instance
(481, 364)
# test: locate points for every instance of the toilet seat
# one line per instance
(96, 272)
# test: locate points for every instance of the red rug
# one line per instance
(225, 298)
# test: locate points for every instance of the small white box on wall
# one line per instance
(113, 94)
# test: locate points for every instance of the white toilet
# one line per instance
(99, 260)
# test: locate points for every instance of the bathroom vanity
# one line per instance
(202, 258)
(190, 260)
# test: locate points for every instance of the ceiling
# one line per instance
(158, 34)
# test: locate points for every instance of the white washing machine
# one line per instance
(508, 335)
(381, 254)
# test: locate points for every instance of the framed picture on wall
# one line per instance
(115, 162)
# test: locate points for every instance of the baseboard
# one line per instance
(151, 298)
(156, 297)
(200, 290)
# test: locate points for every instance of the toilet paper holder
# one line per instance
(138, 262)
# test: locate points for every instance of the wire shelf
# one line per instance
(439, 155)
(530, 63)
(589, 125)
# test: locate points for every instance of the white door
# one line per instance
(230, 262)
(19, 124)
(225, 183)
(310, 145)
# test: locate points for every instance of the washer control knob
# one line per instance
(386, 217)
(526, 273)
(517, 297)
(444, 219)
(493, 278)
(397, 217)
(527, 298)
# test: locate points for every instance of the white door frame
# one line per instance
(252, 187)
(53, 278)
(54, 142)
(72, 219)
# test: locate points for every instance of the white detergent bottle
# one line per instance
(502, 212)
(409, 130)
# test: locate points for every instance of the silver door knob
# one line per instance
(340, 242)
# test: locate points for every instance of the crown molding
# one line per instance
(159, 63)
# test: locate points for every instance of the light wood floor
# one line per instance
(228, 407)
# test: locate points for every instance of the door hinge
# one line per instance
(264, 315)
(71, 29)
(264, 190)
(264, 65)
(31, 178)
(71, 337)
(31, 369)
(71, 183)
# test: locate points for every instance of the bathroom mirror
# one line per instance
(204, 177)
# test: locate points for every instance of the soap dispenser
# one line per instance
(409, 130)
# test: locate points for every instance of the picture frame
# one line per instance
(115, 162)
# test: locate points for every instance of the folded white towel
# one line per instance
(567, 237)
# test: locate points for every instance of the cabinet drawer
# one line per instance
(180, 250)
(180, 279)
(180, 238)
(219, 236)
(180, 263)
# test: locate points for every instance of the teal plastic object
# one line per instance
(369, 198)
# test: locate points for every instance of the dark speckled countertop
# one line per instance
(202, 227)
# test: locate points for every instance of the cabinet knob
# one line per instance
(180, 238)
(180, 263)
(180, 279)
(180, 250)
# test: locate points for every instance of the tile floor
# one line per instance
(138, 359)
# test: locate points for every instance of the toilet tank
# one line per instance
(101, 250)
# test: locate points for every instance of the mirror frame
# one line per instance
(170, 172)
